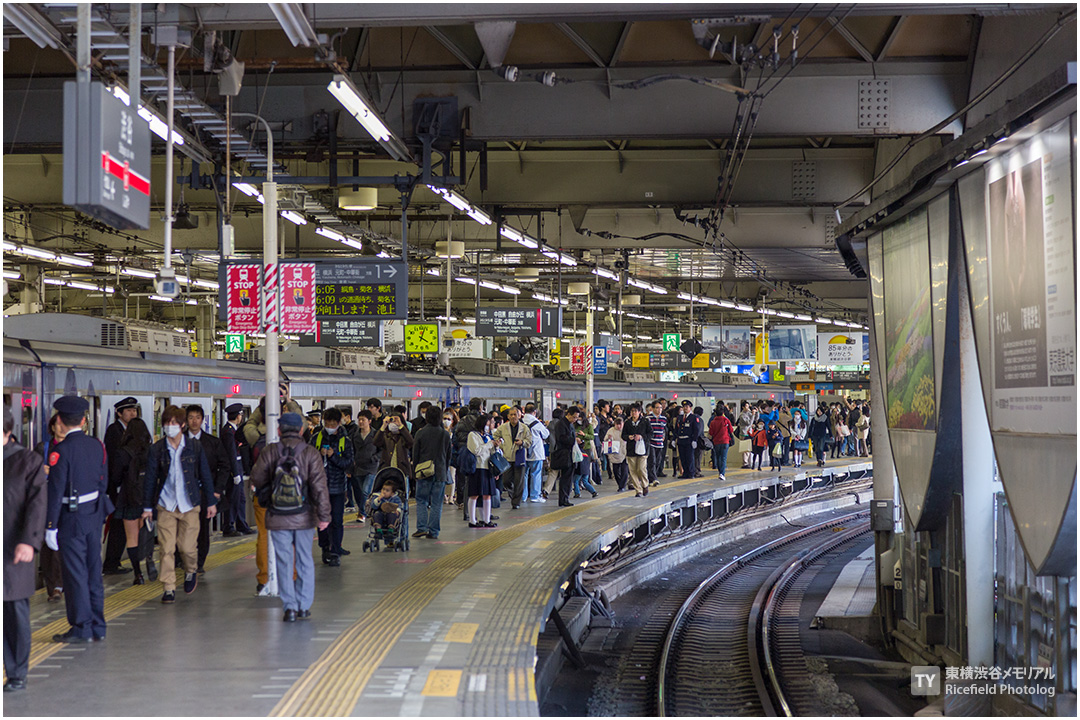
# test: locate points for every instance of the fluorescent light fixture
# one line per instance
(556, 255)
(82, 285)
(479, 216)
(520, 238)
(295, 24)
(37, 252)
(331, 234)
(247, 189)
(744, 308)
(785, 314)
(548, 298)
(33, 24)
(433, 271)
(134, 272)
(805, 318)
(768, 311)
(12, 275)
(646, 286)
(382, 254)
(157, 126)
(604, 273)
(191, 301)
(159, 298)
(510, 290)
(685, 296)
(295, 218)
(358, 106)
(464, 279)
(72, 260)
(452, 318)
(644, 337)
(54, 281)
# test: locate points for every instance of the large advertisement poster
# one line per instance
(909, 337)
(1031, 259)
(839, 348)
(731, 340)
(793, 342)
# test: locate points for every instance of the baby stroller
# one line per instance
(400, 535)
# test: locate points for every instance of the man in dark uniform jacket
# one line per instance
(126, 410)
(220, 474)
(77, 507)
(24, 525)
(235, 523)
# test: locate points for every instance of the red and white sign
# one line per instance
(244, 298)
(297, 285)
(579, 356)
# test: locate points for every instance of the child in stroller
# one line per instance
(388, 509)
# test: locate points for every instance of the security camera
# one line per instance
(165, 284)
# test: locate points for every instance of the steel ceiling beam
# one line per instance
(581, 44)
(617, 53)
(450, 45)
(894, 32)
(851, 39)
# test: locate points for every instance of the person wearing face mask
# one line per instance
(176, 481)
(431, 453)
(395, 441)
(336, 451)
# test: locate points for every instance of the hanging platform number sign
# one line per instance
(297, 284)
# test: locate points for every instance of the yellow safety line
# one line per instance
(332, 685)
(118, 603)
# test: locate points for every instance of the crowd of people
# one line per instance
(331, 467)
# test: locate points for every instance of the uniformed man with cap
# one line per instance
(77, 507)
(126, 410)
(235, 523)
(314, 425)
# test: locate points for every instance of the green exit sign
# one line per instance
(672, 341)
(234, 343)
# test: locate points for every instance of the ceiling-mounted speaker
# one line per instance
(691, 348)
(517, 351)
(631, 300)
(578, 288)
(527, 275)
(184, 220)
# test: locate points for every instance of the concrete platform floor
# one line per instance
(446, 629)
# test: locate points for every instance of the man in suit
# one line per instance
(564, 438)
(220, 474)
(77, 506)
(24, 525)
(126, 410)
(235, 523)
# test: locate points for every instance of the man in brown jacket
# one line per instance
(292, 530)
(24, 529)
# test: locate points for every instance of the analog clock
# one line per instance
(422, 338)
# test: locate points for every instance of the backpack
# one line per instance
(287, 488)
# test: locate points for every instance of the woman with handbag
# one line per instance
(449, 421)
(431, 462)
(481, 483)
(636, 433)
(818, 431)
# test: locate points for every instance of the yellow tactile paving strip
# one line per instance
(332, 685)
(118, 603)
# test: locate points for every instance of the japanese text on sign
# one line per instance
(243, 291)
(298, 298)
(344, 300)
(519, 321)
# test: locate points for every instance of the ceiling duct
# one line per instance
(495, 37)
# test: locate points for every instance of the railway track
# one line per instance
(733, 647)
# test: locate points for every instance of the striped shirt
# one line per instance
(658, 423)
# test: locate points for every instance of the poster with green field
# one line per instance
(909, 341)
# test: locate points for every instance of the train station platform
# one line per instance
(854, 592)
(449, 628)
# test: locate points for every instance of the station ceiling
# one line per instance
(621, 153)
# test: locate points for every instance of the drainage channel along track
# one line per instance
(733, 647)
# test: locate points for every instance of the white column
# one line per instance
(978, 498)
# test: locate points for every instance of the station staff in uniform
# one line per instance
(77, 507)
(126, 411)
(689, 430)
(240, 465)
